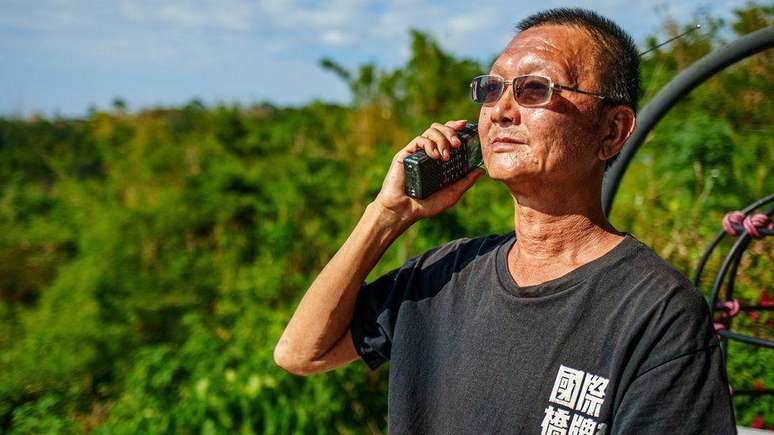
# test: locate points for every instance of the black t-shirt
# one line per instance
(623, 344)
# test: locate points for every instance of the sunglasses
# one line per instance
(528, 91)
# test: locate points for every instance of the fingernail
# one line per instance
(446, 153)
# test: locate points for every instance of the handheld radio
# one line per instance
(425, 175)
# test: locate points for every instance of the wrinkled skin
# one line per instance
(554, 169)
(563, 143)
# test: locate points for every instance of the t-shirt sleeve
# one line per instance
(681, 386)
(378, 303)
(688, 394)
(376, 308)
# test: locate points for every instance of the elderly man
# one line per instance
(565, 326)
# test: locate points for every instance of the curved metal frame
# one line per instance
(732, 262)
(681, 85)
(733, 256)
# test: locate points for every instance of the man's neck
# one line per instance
(556, 236)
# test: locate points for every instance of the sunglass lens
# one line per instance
(486, 89)
(531, 90)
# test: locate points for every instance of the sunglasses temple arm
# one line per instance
(567, 88)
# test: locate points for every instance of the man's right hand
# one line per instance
(437, 142)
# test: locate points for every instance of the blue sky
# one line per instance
(60, 56)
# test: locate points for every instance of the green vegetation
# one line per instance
(149, 261)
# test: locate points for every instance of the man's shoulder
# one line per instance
(648, 269)
(464, 250)
(662, 296)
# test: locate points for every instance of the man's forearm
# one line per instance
(324, 313)
(322, 318)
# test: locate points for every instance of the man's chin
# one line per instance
(506, 175)
(518, 181)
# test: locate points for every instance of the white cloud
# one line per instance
(335, 37)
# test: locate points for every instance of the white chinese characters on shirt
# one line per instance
(577, 391)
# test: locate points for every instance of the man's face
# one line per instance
(556, 143)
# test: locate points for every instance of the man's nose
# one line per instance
(506, 110)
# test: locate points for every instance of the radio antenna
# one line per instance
(696, 27)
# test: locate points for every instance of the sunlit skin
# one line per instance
(557, 143)
(552, 158)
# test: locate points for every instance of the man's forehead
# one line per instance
(552, 38)
(562, 46)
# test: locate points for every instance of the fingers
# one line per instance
(457, 125)
(445, 136)
(417, 144)
(437, 141)
(441, 145)
(448, 130)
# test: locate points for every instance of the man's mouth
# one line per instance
(503, 144)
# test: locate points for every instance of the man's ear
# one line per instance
(617, 125)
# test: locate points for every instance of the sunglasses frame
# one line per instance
(549, 94)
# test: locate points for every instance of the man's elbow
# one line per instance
(293, 365)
